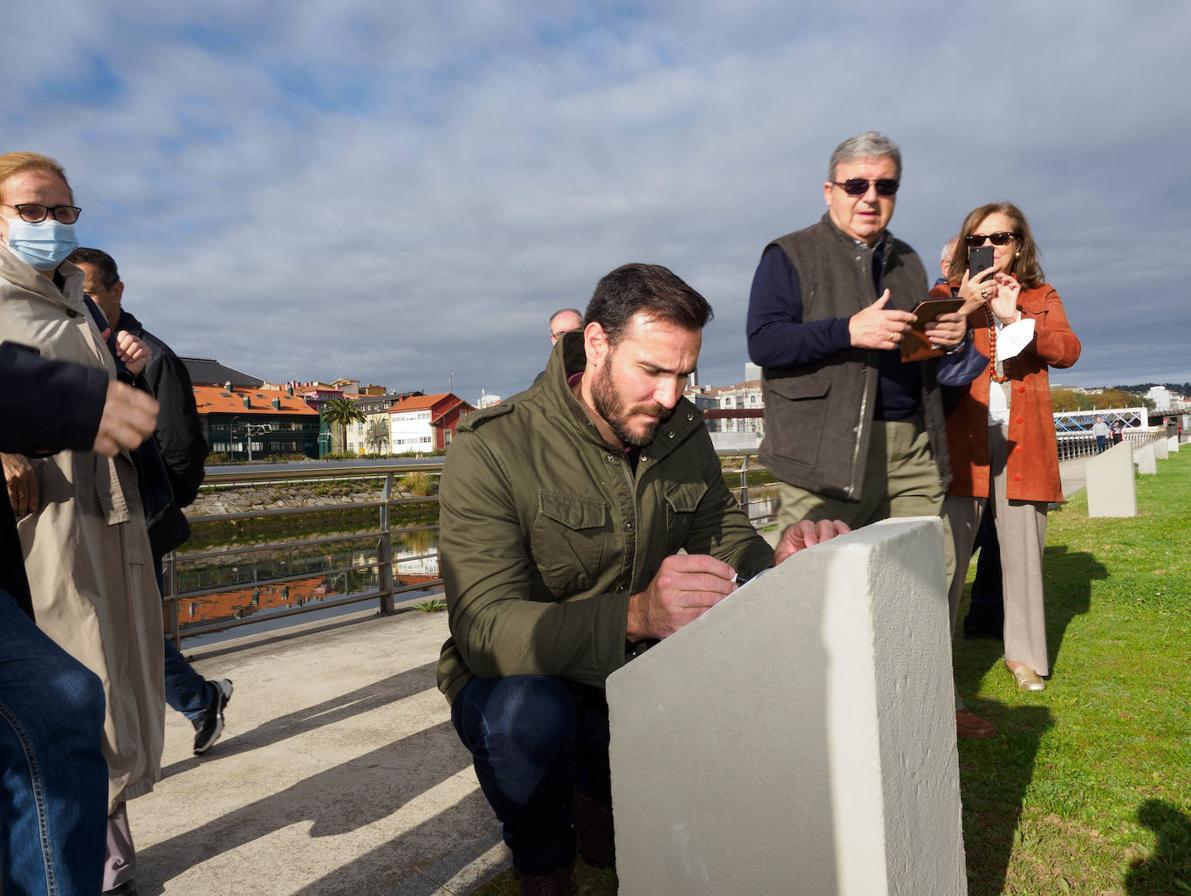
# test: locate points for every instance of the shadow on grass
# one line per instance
(994, 775)
(1067, 579)
(1168, 870)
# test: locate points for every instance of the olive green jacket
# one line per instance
(546, 531)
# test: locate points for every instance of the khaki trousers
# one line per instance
(1021, 531)
(900, 479)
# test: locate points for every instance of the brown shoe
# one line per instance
(968, 724)
(553, 883)
(593, 827)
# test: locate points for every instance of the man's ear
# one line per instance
(595, 343)
(118, 291)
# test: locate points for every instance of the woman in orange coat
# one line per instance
(1001, 432)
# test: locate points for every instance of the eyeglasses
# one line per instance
(858, 186)
(1000, 238)
(33, 213)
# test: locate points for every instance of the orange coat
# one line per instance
(1032, 472)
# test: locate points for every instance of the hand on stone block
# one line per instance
(685, 587)
(807, 534)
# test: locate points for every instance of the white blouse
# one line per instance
(1011, 339)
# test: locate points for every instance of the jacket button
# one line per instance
(690, 416)
(1021, 420)
(1017, 477)
(628, 524)
(611, 458)
(70, 312)
(670, 434)
(620, 587)
(1021, 389)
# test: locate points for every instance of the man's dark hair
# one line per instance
(650, 288)
(109, 275)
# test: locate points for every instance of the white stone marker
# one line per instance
(1146, 460)
(1172, 444)
(800, 736)
(1111, 488)
(1161, 452)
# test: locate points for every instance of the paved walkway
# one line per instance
(338, 773)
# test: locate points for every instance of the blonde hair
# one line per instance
(12, 163)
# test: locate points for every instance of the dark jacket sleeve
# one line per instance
(777, 336)
(179, 430)
(48, 405)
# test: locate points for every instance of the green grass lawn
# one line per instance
(1087, 790)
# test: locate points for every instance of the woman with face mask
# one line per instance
(1000, 432)
(80, 521)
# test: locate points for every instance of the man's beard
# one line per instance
(610, 406)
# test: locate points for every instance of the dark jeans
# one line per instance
(54, 791)
(1101, 444)
(185, 690)
(535, 739)
(986, 613)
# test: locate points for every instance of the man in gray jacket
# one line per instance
(852, 432)
(563, 512)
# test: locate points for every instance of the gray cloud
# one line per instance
(399, 193)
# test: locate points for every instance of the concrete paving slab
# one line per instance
(338, 772)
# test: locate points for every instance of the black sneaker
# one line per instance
(209, 725)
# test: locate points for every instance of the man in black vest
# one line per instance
(851, 432)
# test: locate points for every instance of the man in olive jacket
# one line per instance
(562, 514)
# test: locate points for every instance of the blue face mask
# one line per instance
(42, 246)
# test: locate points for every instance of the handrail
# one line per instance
(387, 587)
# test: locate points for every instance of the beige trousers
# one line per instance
(1021, 531)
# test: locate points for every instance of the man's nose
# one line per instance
(667, 393)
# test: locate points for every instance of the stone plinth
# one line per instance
(1172, 443)
(800, 736)
(1111, 487)
(1161, 449)
(1145, 459)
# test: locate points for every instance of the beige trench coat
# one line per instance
(86, 549)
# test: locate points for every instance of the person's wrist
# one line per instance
(634, 624)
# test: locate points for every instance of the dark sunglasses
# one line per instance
(1001, 238)
(858, 186)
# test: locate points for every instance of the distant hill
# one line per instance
(1143, 388)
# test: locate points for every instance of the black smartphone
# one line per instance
(979, 258)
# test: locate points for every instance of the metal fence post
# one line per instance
(744, 485)
(169, 580)
(384, 554)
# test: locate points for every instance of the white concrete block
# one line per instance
(1145, 459)
(1161, 451)
(800, 736)
(1110, 483)
(1172, 444)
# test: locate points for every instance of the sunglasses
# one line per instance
(858, 186)
(1001, 238)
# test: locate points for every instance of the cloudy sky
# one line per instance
(400, 192)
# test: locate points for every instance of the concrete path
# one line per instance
(338, 773)
(1071, 473)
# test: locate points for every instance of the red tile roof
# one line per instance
(217, 400)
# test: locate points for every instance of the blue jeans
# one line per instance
(54, 795)
(535, 739)
(185, 690)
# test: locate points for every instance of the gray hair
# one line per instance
(869, 145)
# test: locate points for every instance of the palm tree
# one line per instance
(342, 411)
(377, 436)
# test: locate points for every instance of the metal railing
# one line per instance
(1083, 444)
(388, 591)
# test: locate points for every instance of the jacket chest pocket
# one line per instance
(569, 540)
(681, 500)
